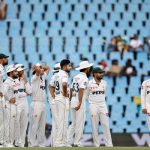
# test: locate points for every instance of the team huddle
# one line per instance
(15, 114)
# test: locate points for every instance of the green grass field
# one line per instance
(83, 148)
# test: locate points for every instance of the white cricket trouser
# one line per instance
(77, 126)
(65, 130)
(148, 121)
(54, 127)
(1, 121)
(10, 123)
(37, 124)
(148, 124)
(21, 122)
(100, 113)
(60, 122)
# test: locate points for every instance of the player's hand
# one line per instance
(144, 111)
(78, 107)
(12, 100)
(1, 94)
(24, 78)
(33, 67)
(53, 101)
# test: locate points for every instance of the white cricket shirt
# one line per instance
(1, 77)
(57, 82)
(10, 89)
(23, 89)
(97, 92)
(79, 81)
(145, 95)
(38, 87)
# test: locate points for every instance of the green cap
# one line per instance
(98, 70)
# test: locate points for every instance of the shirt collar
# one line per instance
(95, 81)
(64, 72)
(2, 66)
(10, 78)
(83, 73)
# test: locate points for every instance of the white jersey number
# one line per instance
(76, 87)
(57, 86)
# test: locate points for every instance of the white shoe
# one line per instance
(9, 145)
(19, 145)
(109, 146)
(41, 145)
(2, 146)
(78, 145)
(68, 145)
(60, 145)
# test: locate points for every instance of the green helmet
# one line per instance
(98, 70)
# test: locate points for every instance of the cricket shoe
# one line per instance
(77, 145)
(60, 145)
(68, 145)
(1, 146)
(9, 145)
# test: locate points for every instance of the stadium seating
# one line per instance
(49, 30)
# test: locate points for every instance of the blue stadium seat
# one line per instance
(142, 56)
(44, 45)
(3, 26)
(115, 55)
(4, 43)
(11, 12)
(14, 28)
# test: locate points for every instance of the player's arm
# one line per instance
(37, 70)
(88, 91)
(64, 88)
(52, 91)
(46, 69)
(1, 78)
(80, 96)
(70, 95)
(27, 85)
(8, 96)
(143, 99)
(52, 87)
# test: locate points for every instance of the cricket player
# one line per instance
(53, 104)
(97, 105)
(24, 89)
(61, 98)
(10, 95)
(37, 110)
(145, 101)
(3, 63)
(78, 96)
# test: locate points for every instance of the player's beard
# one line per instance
(68, 71)
(19, 75)
(99, 78)
(5, 63)
(15, 77)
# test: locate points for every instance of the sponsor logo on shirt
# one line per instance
(98, 92)
(148, 92)
(42, 87)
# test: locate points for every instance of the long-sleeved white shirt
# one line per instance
(38, 87)
(10, 89)
(23, 90)
(1, 77)
(145, 95)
